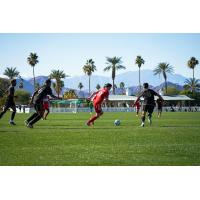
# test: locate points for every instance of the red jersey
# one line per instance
(137, 105)
(100, 96)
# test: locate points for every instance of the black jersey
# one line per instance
(41, 93)
(148, 96)
(11, 92)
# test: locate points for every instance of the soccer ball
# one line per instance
(117, 122)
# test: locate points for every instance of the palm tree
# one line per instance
(122, 86)
(114, 64)
(192, 64)
(139, 61)
(80, 86)
(163, 68)
(32, 61)
(58, 75)
(98, 87)
(192, 84)
(88, 68)
(11, 72)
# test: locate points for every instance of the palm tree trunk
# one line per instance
(34, 78)
(89, 85)
(193, 73)
(165, 86)
(139, 81)
(193, 82)
(58, 88)
(113, 86)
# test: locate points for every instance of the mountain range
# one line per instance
(129, 78)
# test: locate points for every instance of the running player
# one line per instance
(159, 106)
(137, 105)
(10, 101)
(37, 101)
(98, 98)
(45, 107)
(148, 104)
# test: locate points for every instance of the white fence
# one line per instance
(124, 109)
(112, 109)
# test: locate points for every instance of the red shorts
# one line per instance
(46, 106)
(97, 108)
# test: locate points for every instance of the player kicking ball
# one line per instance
(148, 104)
(10, 102)
(97, 98)
(37, 101)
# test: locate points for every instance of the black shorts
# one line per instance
(148, 108)
(38, 107)
(160, 109)
(9, 104)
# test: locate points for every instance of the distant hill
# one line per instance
(129, 78)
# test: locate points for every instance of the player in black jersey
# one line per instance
(159, 106)
(149, 102)
(10, 103)
(37, 101)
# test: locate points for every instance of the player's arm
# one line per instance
(159, 96)
(92, 95)
(31, 101)
(138, 98)
(54, 97)
(49, 92)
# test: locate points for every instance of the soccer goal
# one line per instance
(69, 106)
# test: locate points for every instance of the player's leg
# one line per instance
(137, 112)
(40, 113)
(13, 107)
(143, 115)
(160, 112)
(98, 111)
(6, 107)
(150, 111)
(35, 116)
(46, 113)
(143, 118)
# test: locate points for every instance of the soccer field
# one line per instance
(64, 139)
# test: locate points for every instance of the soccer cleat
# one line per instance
(89, 123)
(12, 123)
(142, 124)
(29, 126)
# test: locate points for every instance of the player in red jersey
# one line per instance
(98, 98)
(137, 105)
(45, 107)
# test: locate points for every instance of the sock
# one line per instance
(32, 117)
(143, 119)
(12, 116)
(92, 119)
(37, 118)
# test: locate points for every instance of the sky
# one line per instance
(69, 51)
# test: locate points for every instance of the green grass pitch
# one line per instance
(64, 140)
